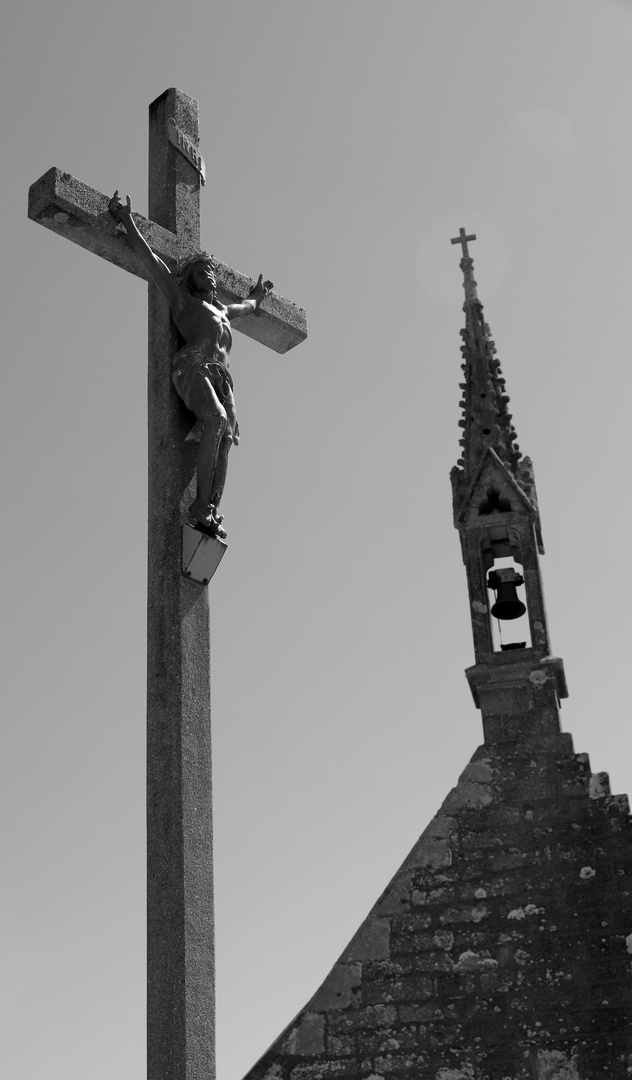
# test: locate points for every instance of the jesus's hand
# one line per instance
(118, 211)
(261, 290)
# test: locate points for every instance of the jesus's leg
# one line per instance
(209, 410)
(229, 436)
(221, 468)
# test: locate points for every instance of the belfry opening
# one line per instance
(508, 609)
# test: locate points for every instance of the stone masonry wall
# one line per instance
(501, 948)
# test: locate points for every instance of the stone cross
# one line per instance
(462, 239)
(180, 939)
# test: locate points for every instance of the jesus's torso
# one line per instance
(205, 326)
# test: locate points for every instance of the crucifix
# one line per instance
(180, 938)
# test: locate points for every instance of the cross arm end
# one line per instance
(79, 212)
(279, 323)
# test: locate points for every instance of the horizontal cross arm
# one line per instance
(80, 213)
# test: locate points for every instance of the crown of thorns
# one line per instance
(186, 265)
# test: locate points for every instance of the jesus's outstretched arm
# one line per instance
(160, 273)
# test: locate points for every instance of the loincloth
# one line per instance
(191, 364)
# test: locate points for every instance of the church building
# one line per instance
(502, 947)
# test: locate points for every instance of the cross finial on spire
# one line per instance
(462, 239)
(467, 266)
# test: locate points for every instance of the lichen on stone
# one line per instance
(523, 912)
(464, 1072)
(471, 961)
(555, 1065)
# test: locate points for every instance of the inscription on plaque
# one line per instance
(178, 139)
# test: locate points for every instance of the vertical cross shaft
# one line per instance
(180, 945)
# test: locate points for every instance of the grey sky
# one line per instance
(345, 144)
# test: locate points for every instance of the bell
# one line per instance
(504, 583)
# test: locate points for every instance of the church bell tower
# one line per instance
(515, 679)
(501, 947)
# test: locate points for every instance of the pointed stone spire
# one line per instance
(486, 420)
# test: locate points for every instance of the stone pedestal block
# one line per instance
(201, 554)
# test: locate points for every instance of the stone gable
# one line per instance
(501, 948)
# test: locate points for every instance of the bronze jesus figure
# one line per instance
(200, 368)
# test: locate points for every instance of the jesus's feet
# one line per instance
(212, 527)
(217, 525)
(207, 520)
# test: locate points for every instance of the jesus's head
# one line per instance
(197, 274)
